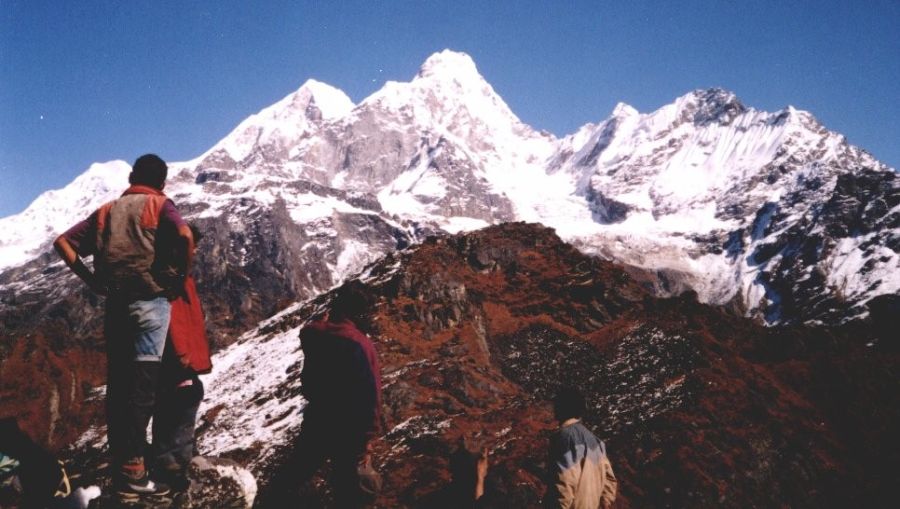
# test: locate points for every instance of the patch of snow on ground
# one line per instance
(253, 392)
(459, 224)
(309, 207)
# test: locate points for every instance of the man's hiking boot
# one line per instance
(174, 476)
(132, 489)
(134, 482)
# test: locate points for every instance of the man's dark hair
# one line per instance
(350, 302)
(149, 170)
(568, 404)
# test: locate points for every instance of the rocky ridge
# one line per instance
(475, 331)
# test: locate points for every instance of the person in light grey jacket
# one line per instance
(580, 474)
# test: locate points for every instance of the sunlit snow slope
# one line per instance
(769, 212)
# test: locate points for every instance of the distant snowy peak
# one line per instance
(623, 110)
(700, 145)
(285, 122)
(450, 64)
(330, 101)
(450, 95)
(706, 106)
(23, 236)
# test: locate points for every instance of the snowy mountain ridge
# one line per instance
(697, 193)
(23, 236)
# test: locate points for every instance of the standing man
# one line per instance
(142, 249)
(341, 381)
(580, 475)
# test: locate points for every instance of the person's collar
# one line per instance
(569, 422)
(141, 189)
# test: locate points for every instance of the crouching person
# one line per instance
(41, 477)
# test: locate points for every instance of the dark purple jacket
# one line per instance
(341, 377)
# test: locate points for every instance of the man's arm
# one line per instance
(481, 469)
(562, 475)
(183, 240)
(186, 241)
(610, 486)
(68, 254)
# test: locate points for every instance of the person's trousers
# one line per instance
(173, 422)
(322, 437)
(135, 334)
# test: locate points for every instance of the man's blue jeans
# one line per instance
(135, 332)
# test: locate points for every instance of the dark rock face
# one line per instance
(606, 210)
(860, 206)
(50, 354)
(699, 408)
(716, 105)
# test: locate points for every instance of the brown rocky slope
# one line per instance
(699, 408)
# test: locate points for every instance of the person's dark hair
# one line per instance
(149, 170)
(350, 302)
(568, 404)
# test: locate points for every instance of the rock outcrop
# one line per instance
(475, 332)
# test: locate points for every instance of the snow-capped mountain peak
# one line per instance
(664, 190)
(285, 122)
(623, 110)
(449, 64)
(449, 92)
(330, 101)
(24, 236)
(711, 105)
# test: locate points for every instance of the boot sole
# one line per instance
(131, 496)
(131, 501)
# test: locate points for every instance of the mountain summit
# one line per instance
(758, 210)
(451, 65)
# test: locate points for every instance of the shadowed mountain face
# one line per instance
(698, 408)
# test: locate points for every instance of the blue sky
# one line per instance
(87, 81)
